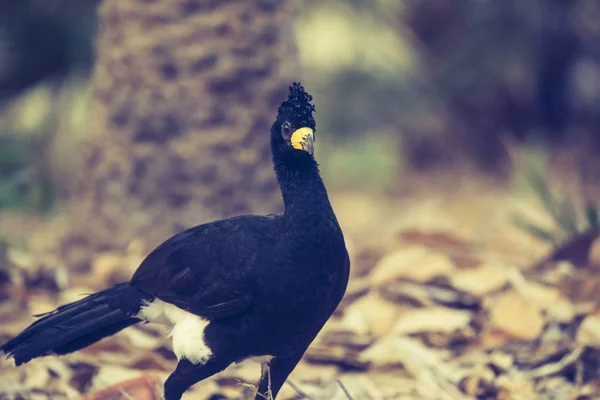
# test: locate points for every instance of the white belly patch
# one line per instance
(187, 329)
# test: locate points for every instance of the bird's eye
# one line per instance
(286, 129)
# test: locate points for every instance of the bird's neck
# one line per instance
(302, 188)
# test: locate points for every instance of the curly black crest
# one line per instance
(299, 101)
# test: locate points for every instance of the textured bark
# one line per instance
(184, 95)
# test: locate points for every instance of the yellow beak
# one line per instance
(303, 139)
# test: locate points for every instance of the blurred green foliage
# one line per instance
(364, 163)
(25, 180)
(571, 215)
(417, 83)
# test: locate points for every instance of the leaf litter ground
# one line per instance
(447, 300)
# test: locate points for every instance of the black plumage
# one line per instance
(236, 288)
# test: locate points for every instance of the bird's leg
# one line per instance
(187, 374)
(266, 372)
(274, 375)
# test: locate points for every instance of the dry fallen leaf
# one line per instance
(479, 381)
(111, 375)
(314, 373)
(459, 250)
(371, 314)
(147, 387)
(416, 263)
(433, 319)
(515, 388)
(588, 333)
(501, 361)
(335, 355)
(594, 254)
(435, 378)
(350, 386)
(142, 339)
(480, 280)
(548, 299)
(517, 317)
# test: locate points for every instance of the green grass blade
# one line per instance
(567, 217)
(591, 215)
(534, 230)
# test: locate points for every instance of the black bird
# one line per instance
(233, 289)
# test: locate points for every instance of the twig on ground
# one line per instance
(124, 393)
(298, 390)
(553, 368)
(344, 389)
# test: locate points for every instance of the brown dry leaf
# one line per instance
(501, 361)
(287, 392)
(109, 266)
(207, 389)
(150, 361)
(110, 375)
(372, 314)
(517, 317)
(350, 386)
(336, 355)
(588, 333)
(40, 304)
(480, 280)
(147, 387)
(357, 287)
(82, 375)
(459, 250)
(393, 385)
(459, 337)
(346, 338)
(353, 323)
(383, 353)
(36, 376)
(406, 293)
(142, 339)
(417, 263)
(550, 367)
(13, 318)
(365, 260)
(20, 258)
(548, 299)
(44, 378)
(74, 294)
(556, 388)
(108, 348)
(556, 306)
(433, 319)
(248, 372)
(492, 338)
(479, 382)
(314, 373)
(434, 376)
(594, 254)
(515, 388)
(418, 294)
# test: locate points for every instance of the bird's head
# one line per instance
(293, 133)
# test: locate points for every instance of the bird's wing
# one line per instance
(207, 270)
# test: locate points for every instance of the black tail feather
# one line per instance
(77, 325)
(93, 337)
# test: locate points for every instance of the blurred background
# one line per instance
(466, 128)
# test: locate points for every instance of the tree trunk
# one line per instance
(184, 94)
